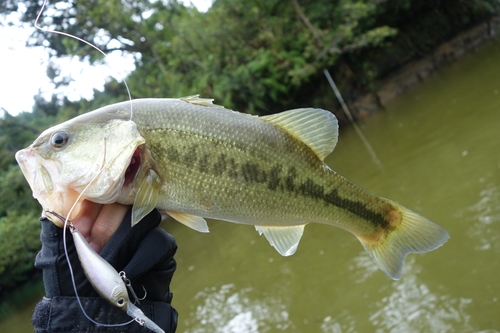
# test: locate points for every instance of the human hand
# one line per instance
(98, 222)
(144, 253)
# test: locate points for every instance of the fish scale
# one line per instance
(196, 160)
(257, 170)
(186, 157)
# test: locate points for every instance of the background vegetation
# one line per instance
(256, 56)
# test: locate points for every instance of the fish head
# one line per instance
(84, 158)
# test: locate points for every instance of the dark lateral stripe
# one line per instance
(274, 176)
(313, 190)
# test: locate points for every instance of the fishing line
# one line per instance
(66, 220)
(351, 119)
(72, 274)
(83, 41)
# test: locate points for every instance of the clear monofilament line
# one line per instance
(351, 119)
(66, 221)
(83, 41)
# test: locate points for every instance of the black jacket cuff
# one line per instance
(63, 314)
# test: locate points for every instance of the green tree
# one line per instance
(19, 241)
(243, 53)
(254, 55)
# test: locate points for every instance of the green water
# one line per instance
(439, 145)
(16, 306)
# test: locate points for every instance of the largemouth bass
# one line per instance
(197, 160)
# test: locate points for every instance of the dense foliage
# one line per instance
(258, 56)
(254, 55)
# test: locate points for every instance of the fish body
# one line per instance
(196, 160)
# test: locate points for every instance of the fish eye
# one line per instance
(59, 139)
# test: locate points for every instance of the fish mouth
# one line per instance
(26, 158)
(50, 194)
(37, 174)
(134, 165)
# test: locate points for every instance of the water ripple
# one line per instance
(413, 308)
(486, 217)
(227, 309)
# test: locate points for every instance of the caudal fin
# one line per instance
(414, 234)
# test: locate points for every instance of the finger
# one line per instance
(89, 211)
(109, 219)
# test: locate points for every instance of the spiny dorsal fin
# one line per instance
(196, 100)
(284, 239)
(317, 128)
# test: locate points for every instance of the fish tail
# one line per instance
(414, 233)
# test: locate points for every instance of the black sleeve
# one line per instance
(144, 252)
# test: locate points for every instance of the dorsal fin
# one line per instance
(317, 128)
(196, 100)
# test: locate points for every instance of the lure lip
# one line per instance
(139, 316)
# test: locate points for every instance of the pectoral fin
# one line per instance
(194, 222)
(284, 239)
(147, 197)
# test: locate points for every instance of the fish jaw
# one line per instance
(27, 160)
(92, 164)
(51, 195)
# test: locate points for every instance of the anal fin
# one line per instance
(194, 222)
(284, 239)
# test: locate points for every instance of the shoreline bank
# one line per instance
(418, 70)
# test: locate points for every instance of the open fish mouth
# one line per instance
(48, 187)
(36, 172)
(55, 194)
(134, 165)
(26, 158)
(41, 176)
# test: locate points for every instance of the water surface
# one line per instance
(439, 145)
